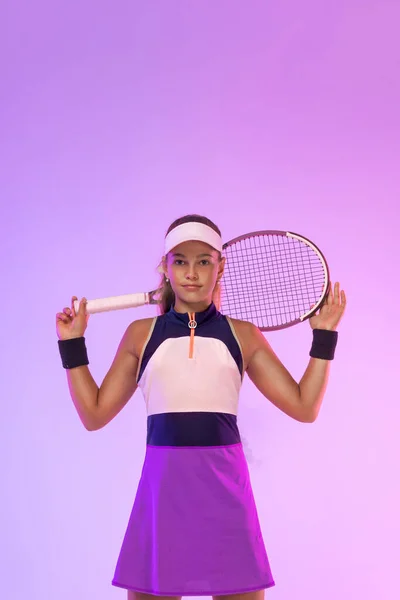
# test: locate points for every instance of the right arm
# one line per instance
(98, 406)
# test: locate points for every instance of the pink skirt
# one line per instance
(194, 528)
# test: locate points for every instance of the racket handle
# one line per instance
(114, 303)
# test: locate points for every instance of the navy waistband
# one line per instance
(192, 429)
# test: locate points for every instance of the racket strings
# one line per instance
(271, 280)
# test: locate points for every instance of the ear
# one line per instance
(221, 267)
(164, 267)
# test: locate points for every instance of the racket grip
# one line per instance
(114, 303)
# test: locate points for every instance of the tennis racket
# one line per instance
(274, 279)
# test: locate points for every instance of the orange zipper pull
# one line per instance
(192, 326)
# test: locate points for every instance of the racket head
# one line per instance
(274, 279)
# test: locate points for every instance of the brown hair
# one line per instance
(167, 295)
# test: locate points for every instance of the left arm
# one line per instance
(301, 401)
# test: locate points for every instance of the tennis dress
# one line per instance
(194, 528)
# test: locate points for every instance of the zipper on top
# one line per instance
(192, 324)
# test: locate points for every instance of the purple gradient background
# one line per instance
(117, 117)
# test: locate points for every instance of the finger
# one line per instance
(343, 297)
(329, 298)
(337, 290)
(73, 305)
(67, 311)
(82, 307)
(62, 317)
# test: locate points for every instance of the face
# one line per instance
(193, 269)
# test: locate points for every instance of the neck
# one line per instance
(192, 307)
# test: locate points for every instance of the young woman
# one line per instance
(194, 528)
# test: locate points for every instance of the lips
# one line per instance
(192, 287)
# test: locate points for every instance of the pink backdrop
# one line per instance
(118, 117)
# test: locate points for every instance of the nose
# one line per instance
(191, 274)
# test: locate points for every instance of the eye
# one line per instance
(178, 261)
(205, 262)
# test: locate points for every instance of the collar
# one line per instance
(200, 317)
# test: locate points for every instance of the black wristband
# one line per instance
(324, 344)
(73, 353)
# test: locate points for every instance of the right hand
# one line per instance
(71, 324)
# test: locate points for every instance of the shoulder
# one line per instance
(244, 328)
(140, 325)
(249, 336)
(137, 333)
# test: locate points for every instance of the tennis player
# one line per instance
(194, 528)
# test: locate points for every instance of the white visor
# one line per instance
(193, 231)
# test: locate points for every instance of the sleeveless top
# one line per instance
(191, 397)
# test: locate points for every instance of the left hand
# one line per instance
(331, 312)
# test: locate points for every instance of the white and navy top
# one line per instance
(190, 374)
